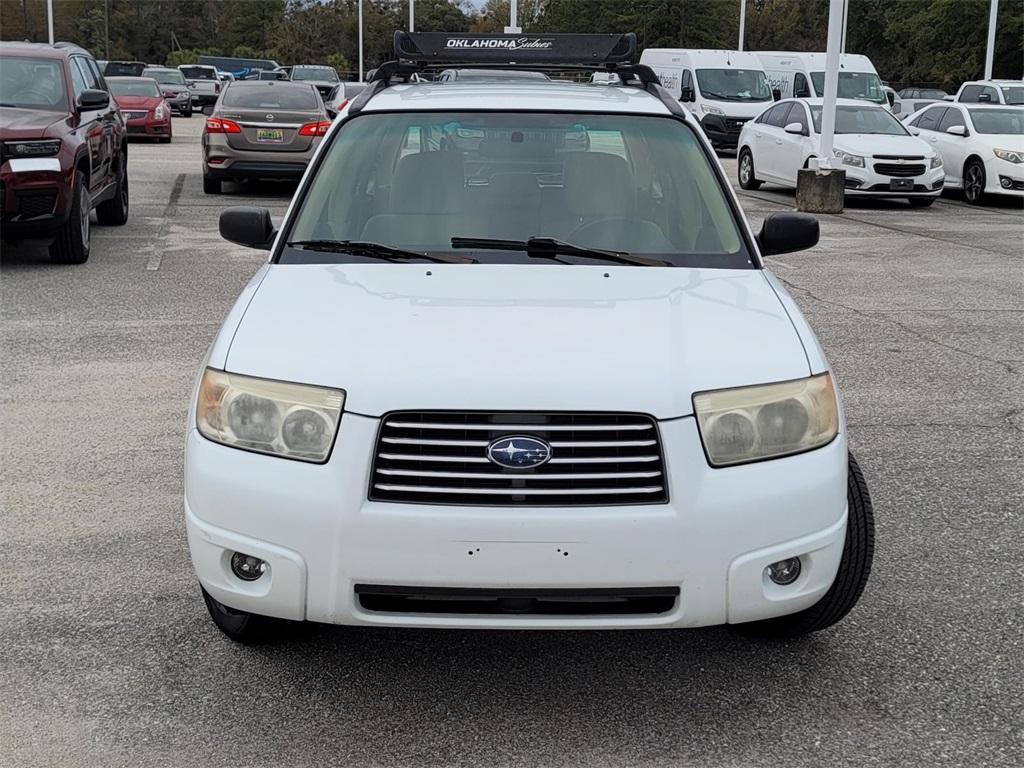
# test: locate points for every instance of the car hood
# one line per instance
(18, 123)
(1003, 140)
(873, 144)
(516, 337)
(138, 102)
(738, 109)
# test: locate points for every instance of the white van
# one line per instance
(802, 75)
(723, 89)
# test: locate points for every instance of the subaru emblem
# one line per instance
(519, 452)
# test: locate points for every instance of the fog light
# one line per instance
(1005, 182)
(785, 571)
(249, 568)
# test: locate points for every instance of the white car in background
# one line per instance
(981, 145)
(880, 157)
(991, 92)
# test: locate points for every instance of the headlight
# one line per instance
(160, 112)
(847, 159)
(936, 162)
(293, 420)
(47, 148)
(766, 421)
(1009, 155)
(707, 108)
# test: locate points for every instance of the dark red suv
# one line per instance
(63, 148)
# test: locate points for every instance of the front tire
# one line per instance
(854, 569)
(746, 171)
(920, 202)
(72, 243)
(974, 181)
(187, 111)
(243, 627)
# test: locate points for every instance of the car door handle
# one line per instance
(778, 141)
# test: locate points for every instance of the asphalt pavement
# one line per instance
(108, 658)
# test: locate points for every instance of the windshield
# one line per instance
(199, 73)
(853, 85)
(133, 87)
(32, 84)
(1006, 121)
(861, 120)
(1013, 94)
(415, 180)
(733, 85)
(271, 97)
(165, 76)
(315, 73)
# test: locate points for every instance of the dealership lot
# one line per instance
(108, 655)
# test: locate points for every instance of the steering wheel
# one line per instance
(30, 97)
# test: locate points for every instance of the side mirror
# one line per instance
(93, 99)
(686, 94)
(208, 110)
(784, 233)
(914, 132)
(957, 130)
(794, 128)
(248, 226)
(776, 94)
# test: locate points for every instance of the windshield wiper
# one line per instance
(376, 251)
(550, 248)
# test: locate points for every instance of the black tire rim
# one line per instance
(975, 182)
(746, 168)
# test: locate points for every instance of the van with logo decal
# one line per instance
(723, 89)
(802, 75)
(515, 361)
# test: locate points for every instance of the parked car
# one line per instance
(145, 111)
(323, 78)
(929, 94)
(63, 149)
(723, 89)
(203, 83)
(563, 396)
(992, 92)
(340, 95)
(173, 87)
(260, 130)
(981, 146)
(880, 157)
(124, 68)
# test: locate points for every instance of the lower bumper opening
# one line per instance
(628, 601)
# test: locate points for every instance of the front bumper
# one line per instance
(866, 182)
(722, 132)
(138, 128)
(321, 537)
(179, 103)
(35, 194)
(222, 161)
(1004, 178)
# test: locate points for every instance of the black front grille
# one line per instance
(441, 457)
(897, 169)
(734, 125)
(529, 602)
(35, 203)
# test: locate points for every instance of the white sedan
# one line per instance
(982, 146)
(880, 157)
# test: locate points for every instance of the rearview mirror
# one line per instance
(248, 226)
(794, 128)
(208, 110)
(776, 94)
(957, 130)
(784, 233)
(984, 97)
(93, 99)
(686, 94)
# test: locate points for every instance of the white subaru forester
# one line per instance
(515, 362)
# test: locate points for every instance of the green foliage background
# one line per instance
(910, 41)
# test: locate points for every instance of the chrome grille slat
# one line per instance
(517, 491)
(441, 457)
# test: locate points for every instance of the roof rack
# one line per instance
(419, 51)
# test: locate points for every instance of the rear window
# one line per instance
(632, 183)
(133, 87)
(199, 73)
(32, 84)
(123, 69)
(270, 97)
(862, 120)
(165, 76)
(314, 73)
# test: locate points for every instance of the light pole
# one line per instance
(990, 48)
(49, 19)
(743, 23)
(412, 15)
(513, 27)
(360, 41)
(828, 106)
(846, 13)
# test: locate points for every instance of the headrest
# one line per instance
(429, 182)
(598, 184)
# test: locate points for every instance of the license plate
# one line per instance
(269, 135)
(901, 185)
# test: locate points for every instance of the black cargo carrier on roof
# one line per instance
(446, 48)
